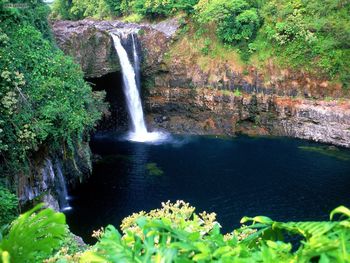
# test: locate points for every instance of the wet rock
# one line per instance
(41, 182)
(167, 27)
(51, 202)
(89, 43)
(208, 111)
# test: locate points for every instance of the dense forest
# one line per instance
(46, 103)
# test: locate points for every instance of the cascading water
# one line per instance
(136, 62)
(61, 188)
(139, 131)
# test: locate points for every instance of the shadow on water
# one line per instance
(274, 177)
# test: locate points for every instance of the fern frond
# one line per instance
(34, 235)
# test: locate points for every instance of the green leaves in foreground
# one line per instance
(33, 236)
(327, 241)
(169, 235)
(175, 233)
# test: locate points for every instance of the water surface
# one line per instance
(285, 179)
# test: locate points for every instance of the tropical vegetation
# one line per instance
(45, 102)
(310, 35)
(175, 233)
(44, 99)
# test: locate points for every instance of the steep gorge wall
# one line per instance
(209, 111)
(43, 180)
(189, 93)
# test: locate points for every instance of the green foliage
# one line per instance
(312, 34)
(8, 206)
(161, 8)
(206, 49)
(237, 93)
(34, 13)
(108, 8)
(308, 35)
(175, 233)
(34, 235)
(79, 9)
(43, 96)
(328, 241)
(133, 18)
(236, 20)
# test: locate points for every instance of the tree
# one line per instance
(236, 20)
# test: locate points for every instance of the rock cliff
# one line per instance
(210, 111)
(50, 172)
(91, 46)
(188, 92)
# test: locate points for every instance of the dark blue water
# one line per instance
(276, 177)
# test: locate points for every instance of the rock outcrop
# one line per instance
(188, 92)
(91, 46)
(51, 171)
(210, 111)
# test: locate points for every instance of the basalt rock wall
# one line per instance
(186, 92)
(50, 171)
(209, 111)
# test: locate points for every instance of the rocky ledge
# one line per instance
(91, 46)
(209, 111)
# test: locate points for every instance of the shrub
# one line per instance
(175, 233)
(236, 20)
(312, 35)
(79, 9)
(106, 8)
(8, 206)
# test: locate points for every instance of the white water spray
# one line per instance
(139, 131)
(61, 189)
(136, 63)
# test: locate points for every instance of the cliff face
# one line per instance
(209, 111)
(91, 46)
(188, 92)
(51, 172)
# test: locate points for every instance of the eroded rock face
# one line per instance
(91, 46)
(209, 111)
(194, 94)
(42, 181)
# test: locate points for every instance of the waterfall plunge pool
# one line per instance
(285, 179)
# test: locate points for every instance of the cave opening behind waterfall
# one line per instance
(112, 84)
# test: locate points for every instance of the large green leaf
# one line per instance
(34, 235)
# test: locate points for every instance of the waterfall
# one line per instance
(131, 79)
(61, 188)
(136, 63)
